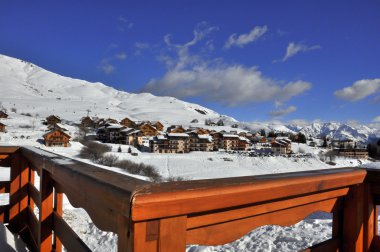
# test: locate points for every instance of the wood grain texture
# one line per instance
(140, 244)
(229, 214)
(46, 212)
(172, 235)
(230, 231)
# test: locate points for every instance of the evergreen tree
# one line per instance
(129, 150)
(119, 149)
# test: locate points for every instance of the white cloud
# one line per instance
(121, 56)
(246, 38)
(141, 45)
(359, 90)
(282, 112)
(294, 49)
(124, 23)
(376, 119)
(190, 75)
(106, 67)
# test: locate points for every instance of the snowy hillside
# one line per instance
(34, 90)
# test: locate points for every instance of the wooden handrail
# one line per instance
(167, 216)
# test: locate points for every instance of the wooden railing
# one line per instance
(167, 216)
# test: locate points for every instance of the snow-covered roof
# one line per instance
(127, 130)
(178, 135)
(161, 137)
(243, 139)
(230, 135)
(114, 126)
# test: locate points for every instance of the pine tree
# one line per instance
(129, 150)
(119, 149)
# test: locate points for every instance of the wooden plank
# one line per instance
(230, 231)
(4, 156)
(34, 225)
(31, 188)
(124, 242)
(8, 149)
(4, 213)
(4, 186)
(27, 236)
(58, 204)
(34, 196)
(24, 183)
(203, 219)
(331, 245)
(172, 235)
(369, 218)
(46, 212)
(353, 225)
(69, 238)
(140, 243)
(14, 193)
(149, 204)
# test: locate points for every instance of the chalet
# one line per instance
(113, 133)
(52, 119)
(281, 146)
(230, 142)
(148, 130)
(200, 131)
(87, 122)
(343, 144)
(217, 140)
(56, 126)
(176, 129)
(57, 138)
(111, 120)
(128, 123)
(200, 142)
(171, 143)
(132, 136)
(101, 134)
(352, 153)
(3, 115)
(243, 143)
(159, 126)
(2, 127)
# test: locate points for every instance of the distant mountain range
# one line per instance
(31, 89)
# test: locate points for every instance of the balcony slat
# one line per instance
(70, 240)
(4, 213)
(35, 195)
(4, 186)
(243, 212)
(34, 225)
(8, 149)
(171, 199)
(230, 231)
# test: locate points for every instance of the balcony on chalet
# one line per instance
(165, 217)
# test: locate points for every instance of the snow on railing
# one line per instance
(167, 216)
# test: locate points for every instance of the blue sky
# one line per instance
(253, 60)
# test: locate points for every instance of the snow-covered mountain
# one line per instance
(333, 130)
(36, 91)
(31, 89)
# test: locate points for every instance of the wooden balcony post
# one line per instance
(58, 201)
(46, 212)
(18, 193)
(359, 219)
(172, 236)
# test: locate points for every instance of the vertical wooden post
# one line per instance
(172, 236)
(14, 203)
(58, 202)
(369, 218)
(18, 192)
(123, 234)
(140, 231)
(46, 211)
(31, 181)
(359, 219)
